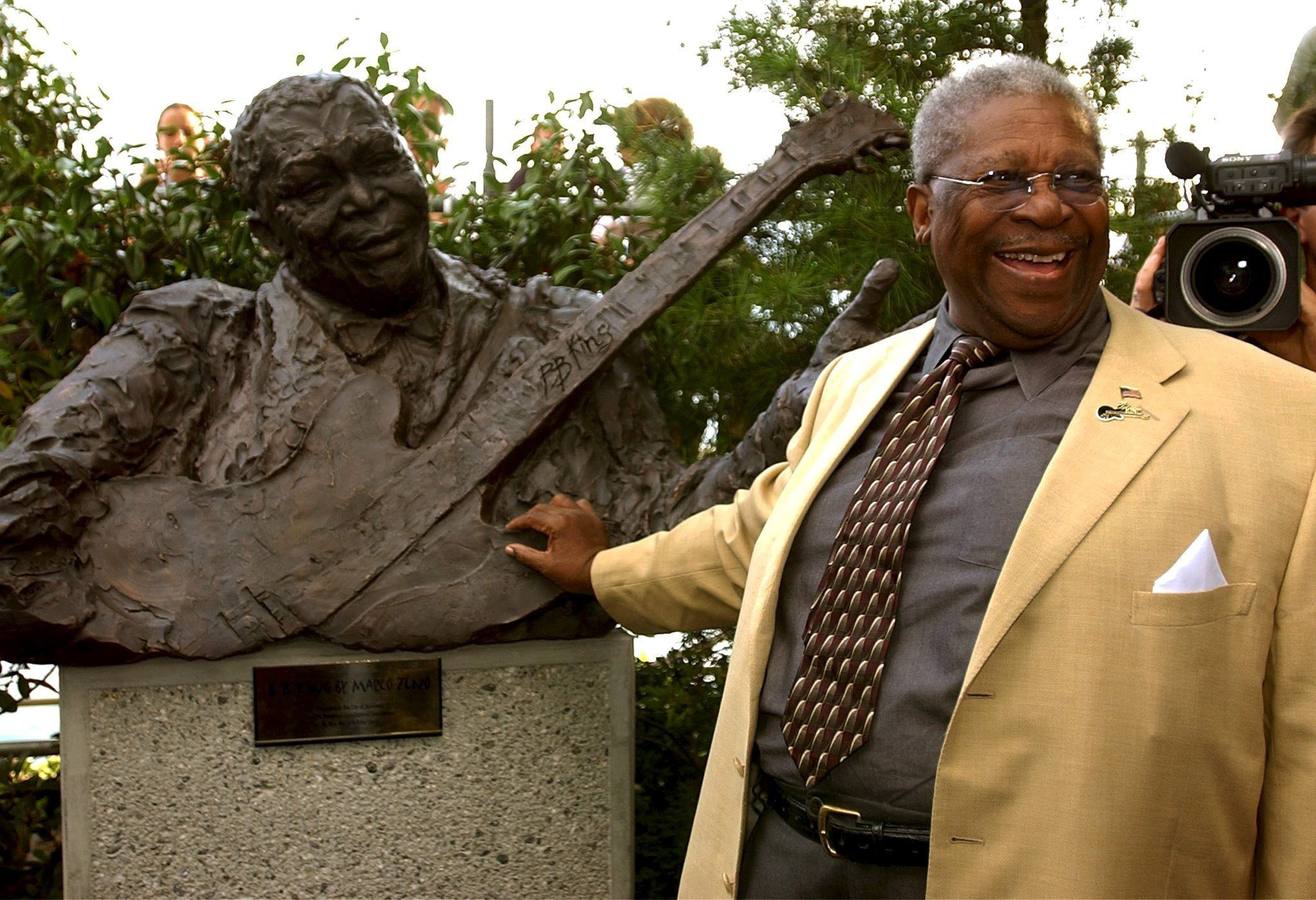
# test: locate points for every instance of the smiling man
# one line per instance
(1028, 609)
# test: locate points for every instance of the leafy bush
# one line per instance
(677, 698)
(30, 849)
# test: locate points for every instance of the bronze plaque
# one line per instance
(347, 701)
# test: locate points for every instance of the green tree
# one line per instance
(1300, 86)
(676, 704)
(79, 234)
(543, 227)
(30, 852)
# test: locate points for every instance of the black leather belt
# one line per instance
(843, 832)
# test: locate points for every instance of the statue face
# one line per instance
(343, 202)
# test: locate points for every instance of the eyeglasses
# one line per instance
(1005, 190)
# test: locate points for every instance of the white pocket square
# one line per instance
(1195, 570)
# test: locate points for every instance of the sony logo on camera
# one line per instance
(1238, 265)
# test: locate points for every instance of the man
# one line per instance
(206, 387)
(1297, 344)
(179, 138)
(1102, 605)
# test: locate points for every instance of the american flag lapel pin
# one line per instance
(1125, 409)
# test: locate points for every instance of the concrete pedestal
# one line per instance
(526, 793)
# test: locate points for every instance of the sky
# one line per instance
(216, 56)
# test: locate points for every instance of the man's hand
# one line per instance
(1144, 298)
(1297, 344)
(575, 536)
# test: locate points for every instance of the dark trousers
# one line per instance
(780, 862)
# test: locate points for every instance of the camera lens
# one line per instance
(1233, 277)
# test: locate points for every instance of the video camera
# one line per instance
(1238, 265)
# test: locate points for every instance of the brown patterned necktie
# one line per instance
(830, 710)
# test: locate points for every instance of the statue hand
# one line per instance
(575, 536)
(858, 323)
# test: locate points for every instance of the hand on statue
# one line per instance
(1144, 298)
(1297, 344)
(575, 536)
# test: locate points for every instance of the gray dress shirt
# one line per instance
(1011, 417)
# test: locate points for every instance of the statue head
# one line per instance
(333, 189)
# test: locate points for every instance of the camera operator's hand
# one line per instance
(1144, 299)
(1297, 344)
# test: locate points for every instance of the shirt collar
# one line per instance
(1036, 369)
(361, 335)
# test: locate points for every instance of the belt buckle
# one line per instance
(825, 811)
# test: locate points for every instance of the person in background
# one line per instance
(647, 130)
(543, 135)
(179, 138)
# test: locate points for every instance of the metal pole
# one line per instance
(490, 179)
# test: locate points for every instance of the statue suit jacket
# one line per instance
(1108, 740)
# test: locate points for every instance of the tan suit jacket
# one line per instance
(1107, 741)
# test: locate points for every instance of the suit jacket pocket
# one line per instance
(1197, 608)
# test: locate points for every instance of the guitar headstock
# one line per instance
(837, 138)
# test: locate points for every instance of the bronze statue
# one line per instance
(335, 452)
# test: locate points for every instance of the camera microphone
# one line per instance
(1185, 160)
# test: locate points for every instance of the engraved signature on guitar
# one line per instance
(556, 369)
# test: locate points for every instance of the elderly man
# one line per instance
(211, 392)
(1028, 610)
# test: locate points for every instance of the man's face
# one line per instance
(178, 129)
(344, 204)
(998, 289)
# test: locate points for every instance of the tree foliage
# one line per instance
(30, 845)
(79, 233)
(677, 698)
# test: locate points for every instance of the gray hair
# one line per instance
(247, 156)
(938, 128)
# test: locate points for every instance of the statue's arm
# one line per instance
(716, 480)
(125, 406)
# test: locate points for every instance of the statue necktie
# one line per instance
(830, 710)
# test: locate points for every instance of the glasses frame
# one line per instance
(1029, 180)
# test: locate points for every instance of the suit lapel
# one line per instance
(881, 367)
(1094, 462)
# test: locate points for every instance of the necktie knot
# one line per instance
(973, 351)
